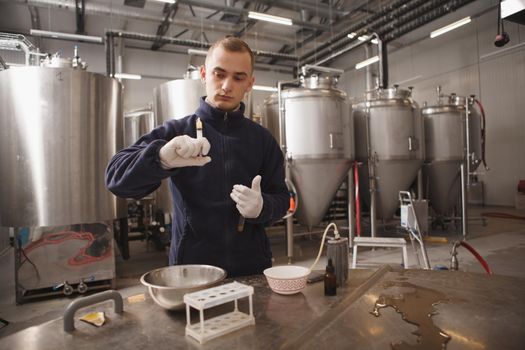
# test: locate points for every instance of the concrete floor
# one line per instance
(501, 242)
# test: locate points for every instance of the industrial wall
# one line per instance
(465, 61)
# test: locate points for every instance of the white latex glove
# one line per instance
(184, 151)
(249, 200)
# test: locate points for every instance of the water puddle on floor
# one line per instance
(416, 305)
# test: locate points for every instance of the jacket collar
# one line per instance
(213, 115)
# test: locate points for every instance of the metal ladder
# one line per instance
(410, 222)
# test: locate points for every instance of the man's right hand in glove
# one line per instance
(184, 151)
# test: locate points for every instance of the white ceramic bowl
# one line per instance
(168, 285)
(287, 279)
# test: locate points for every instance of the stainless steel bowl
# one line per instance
(168, 285)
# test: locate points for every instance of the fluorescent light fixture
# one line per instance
(127, 76)
(270, 18)
(510, 7)
(166, 1)
(197, 52)
(365, 38)
(67, 36)
(450, 27)
(409, 80)
(367, 62)
(362, 38)
(264, 88)
(15, 64)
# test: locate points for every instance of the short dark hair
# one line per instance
(233, 44)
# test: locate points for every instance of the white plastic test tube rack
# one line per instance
(205, 330)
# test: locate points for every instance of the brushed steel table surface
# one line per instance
(469, 311)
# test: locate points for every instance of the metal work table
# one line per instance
(470, 311)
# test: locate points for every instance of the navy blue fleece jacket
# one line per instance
(205, 217)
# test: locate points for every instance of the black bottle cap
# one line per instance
(330, 266)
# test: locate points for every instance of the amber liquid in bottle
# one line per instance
(330, 282)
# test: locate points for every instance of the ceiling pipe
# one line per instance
(425, 11)
(371, 23)
(318, 9)
(119, 11)
(110, 34)
(397, 4)
(99, 9)
(192, 43)
(424, 19)
(339, 24)
(244, 12)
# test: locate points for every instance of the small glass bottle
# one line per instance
(330, 282)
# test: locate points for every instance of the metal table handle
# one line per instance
(69, 314)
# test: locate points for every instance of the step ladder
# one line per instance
(410, 222)
(389, 242)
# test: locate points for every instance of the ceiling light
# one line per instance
(367, 62)
(512, 8)
(166, 1)
(127, 76)
(365, 38)
(67, 36)
(197, 52)
(270, 18)
(450, 27)
(352, 35)
(264, 88)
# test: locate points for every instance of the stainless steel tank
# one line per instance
(319, 139)
(137, 123)
(178, 98)
(389, 143)
(58, 129)
(174, 100)
(446, 148)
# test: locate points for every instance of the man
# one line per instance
(226, 184)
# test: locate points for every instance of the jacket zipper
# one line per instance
(226, 189)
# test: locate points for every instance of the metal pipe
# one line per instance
(144, 15)
(309, 56)
(243, 12)
(464, 214)
(116, 11)
(287, 160)
(17, 44)
(424, 18)
(107, 49)
(424, 12)
(289, 223)
(368, 70)
(351, 206)
(383, 62)
(318, 9)
(467, 138)
(371, 176)
(112, 43)
(190, 43)
(420, 184)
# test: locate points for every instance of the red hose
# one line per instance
(357, 202)
(479, 257)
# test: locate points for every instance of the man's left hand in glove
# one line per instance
(249, 200)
